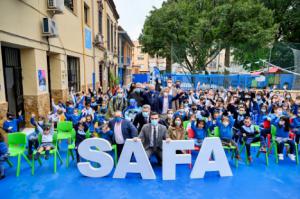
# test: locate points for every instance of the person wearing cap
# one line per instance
(47, 139)
(12, 124)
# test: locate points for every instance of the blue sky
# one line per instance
(133, 14)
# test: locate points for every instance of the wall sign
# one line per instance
(42, 80)
(88, 38)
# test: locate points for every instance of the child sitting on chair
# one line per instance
(225, 124)
(81, 134)
(296, 126)
(282, 136)
(251, 135)
(11, 125)
(47, 138)
(200, 130)
(3, 155)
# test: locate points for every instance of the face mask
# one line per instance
(145, 114)
(120, 95)
(241, 112)
(263, 110)
(170, 115)
(177, 123)
(288, 97)
(169, 85)
(298, 114)
(279, 112)
(281, 123)
(258, 97)
(166, 94)
(225, 123)
(186, 105)
(118, 119)
(137, 90)
(154, 122)
(177, 86)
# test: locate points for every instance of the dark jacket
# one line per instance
(128, 130)
(152, 99)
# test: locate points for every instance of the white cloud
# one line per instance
(133, 14)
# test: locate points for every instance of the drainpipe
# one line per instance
(83, 47)
(94, 57)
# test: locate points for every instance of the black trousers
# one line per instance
(119, 150)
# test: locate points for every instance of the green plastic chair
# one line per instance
(231, 149)
(64, 130)
(17, 147)
(71, 147)
(274, 144)
(54, 151)
(256, 145)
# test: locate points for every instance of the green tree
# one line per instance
(193, 32)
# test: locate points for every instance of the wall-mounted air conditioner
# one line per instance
(56, 6)
(49, 27)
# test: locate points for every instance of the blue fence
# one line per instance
(216, 80)
(141, 78)
(243, 81)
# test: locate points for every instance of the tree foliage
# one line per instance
(193, 32)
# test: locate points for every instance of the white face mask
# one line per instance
(177, 123)
(170, 85)
(225, 124)
(170, 115)
(166, 94)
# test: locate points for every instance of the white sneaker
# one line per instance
(292, 157)
(280, 156)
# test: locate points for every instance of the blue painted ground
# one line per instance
(254, 181)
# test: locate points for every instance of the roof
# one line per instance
(112, 5)
(122, 32)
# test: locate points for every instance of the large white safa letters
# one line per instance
(142, 164)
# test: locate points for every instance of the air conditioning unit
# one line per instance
(98, 40)
(49, 27)
(56, 6)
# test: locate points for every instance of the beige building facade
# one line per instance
(49, 50)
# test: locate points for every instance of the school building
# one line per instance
(52, 47)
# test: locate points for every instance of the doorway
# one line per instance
(13, 79)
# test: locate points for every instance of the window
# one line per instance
(69, 4)
(108, 34)
(86, 13)
(100, 21)
(115, 37)
(73, 73)
(112, 37)
(101, 74)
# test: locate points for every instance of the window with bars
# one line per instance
(73, 74)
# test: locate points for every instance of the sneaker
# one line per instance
(292, 157)
(250, 159)
(37, 155)
(280, 156)
(238, 157)
(263, 149)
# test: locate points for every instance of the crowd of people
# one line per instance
(152, 113)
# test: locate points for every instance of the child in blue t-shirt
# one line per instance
(282, 136)
(200, 128)
(12, 124)
(3, 155)
(296, 126)
(225, 125)
(105, 132)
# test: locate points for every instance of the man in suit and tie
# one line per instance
(152, 136)
(122, 129)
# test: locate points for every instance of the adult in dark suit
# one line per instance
(152, 98)
(122, 129)
(152, 136)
